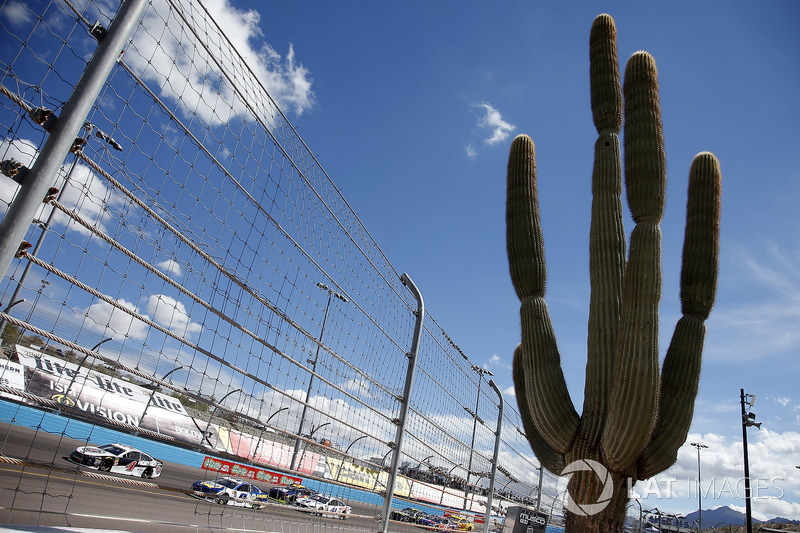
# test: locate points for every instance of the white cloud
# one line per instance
(21, 150)
(171, 314)
(493, 120)
(358, 386)
(772, 459)
(510, 391)
(783, 401)
(762, 322)
(116, 323)
(471, 152)
(199, 83)
(16, 13)
(170, 267)
(84, 193)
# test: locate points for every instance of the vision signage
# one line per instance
(107, 396)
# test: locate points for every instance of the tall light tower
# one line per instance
(748, 419)
(699, 445)
(331, 294)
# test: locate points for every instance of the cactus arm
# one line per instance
(538, 365)
(548, 457)
(701, 243)
(680, 376)
(607, 232)
(606, 90)
(633, 400)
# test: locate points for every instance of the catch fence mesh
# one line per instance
(195, 254)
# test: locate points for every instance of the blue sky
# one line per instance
(411, 109)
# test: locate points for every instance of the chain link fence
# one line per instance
(194, 278)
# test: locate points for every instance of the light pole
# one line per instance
(351, 444)
(424, 461)
(480, 371)
(699, 445)
(12, 304)
(748, 419)
(310, 436)
(261, 435)
(553, 503)
(449, 472)
(45, 283)
(208, 425)
(640, 514)
(339, 473)
(654, 511)
(331, 294)
(495, 456)
(80, 365)
(155, 388)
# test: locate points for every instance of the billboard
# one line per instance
(107, 396)
(12, 375)
(248, 472)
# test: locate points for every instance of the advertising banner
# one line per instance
(522, 520)
(12, 375)
(107, 396)
(248, 472)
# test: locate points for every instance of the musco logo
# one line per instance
(534, 521)
(537, 521)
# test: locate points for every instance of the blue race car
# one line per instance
(290, 494)
(230, 491)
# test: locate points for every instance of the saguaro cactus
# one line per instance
(635, 416)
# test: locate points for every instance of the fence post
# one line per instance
(41, 176)
(493, 385)
(412, 366)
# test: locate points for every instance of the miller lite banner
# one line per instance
(103, 395)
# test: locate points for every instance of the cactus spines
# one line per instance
(635, 415)
(606, 92)
(529, 274)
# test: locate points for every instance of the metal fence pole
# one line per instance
(493, 385)
(412, 366)
(41, 176)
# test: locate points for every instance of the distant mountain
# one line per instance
(781, 520)
(726, 515)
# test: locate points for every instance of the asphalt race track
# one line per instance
(64, 496)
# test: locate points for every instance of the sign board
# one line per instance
(12, 375)
(523, 520)
(107, 396)
(248, 472)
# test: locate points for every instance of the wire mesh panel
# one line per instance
(196, 288)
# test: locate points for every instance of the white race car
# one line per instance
(321, 504)
(118, 459)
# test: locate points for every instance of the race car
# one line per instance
(230, 491)
(461, 524)
(321, 504)
(118, 459)
(290, 494)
